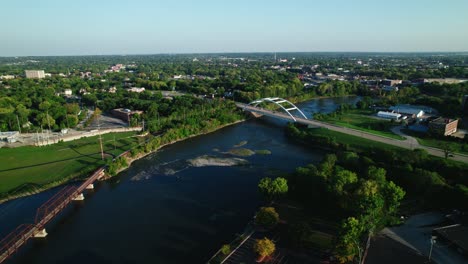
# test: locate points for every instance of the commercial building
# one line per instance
(36, 74)
(391, 82)
(389, 115)
(408, 110)
(443, 126)
(125, 114)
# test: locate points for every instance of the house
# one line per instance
(443, 126)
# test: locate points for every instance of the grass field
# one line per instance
(459, 147)
(360, 120)
(42, 165)
(352, 141)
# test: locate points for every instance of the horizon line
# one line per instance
(230, 52)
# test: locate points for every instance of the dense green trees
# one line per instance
(367, 195)
(273, 188)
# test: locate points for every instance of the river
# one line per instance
(168, 207)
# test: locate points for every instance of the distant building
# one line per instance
(125, 114)
(443, 81)
(9, 136)
(408, 110)
(389, 115)
(388, 88)
(391, 82)
(7, 77)
(67, 92)
(34, 74)
(136, 89)
(443, 126)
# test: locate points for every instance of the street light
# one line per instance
(433, 241)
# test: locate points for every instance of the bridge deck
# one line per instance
(358, 133)
(20, 236)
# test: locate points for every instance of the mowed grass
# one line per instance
(423, 139)
(43, 165)
(352, 141)
(365, 123)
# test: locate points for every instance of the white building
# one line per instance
(136, 90)
(35, 74)
(7, 77)
(389, 115)
(68, 92)
(407, 110)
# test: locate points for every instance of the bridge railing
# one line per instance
(12, 242)
(53, 204)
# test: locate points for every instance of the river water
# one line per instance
(168, 207)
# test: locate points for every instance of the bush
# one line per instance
(226, 249)
(267, 217)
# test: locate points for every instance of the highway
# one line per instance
(407, 144)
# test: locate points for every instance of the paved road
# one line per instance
(408, 143)
(416, 234)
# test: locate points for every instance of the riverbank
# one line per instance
(130, 159)
(30, 170)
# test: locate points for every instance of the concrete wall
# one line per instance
(66, 138)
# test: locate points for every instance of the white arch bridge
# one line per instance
(284, 104)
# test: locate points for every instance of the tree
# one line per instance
(264, 247)
(273, 188)
(267, 217)
(340, 181)
(348, 245)
(393, 194)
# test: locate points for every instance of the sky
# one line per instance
(101, 27)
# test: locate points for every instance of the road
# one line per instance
(416, 234)
(407, 144)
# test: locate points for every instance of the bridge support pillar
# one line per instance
(256, 115)
(41, 234)
(79, 197)
(90, 186)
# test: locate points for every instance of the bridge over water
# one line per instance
(286, 113)
(44, 214)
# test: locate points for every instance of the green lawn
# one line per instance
(424, 140)
(360, 120)
(43, 165)
(352, 141)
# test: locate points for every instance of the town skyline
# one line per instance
(55, 28)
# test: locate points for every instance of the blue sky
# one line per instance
(93, 27)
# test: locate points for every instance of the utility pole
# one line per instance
(19, 127)
(433, 241)
(100, 138)
(48, 123)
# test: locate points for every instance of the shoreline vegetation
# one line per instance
(127, 155)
